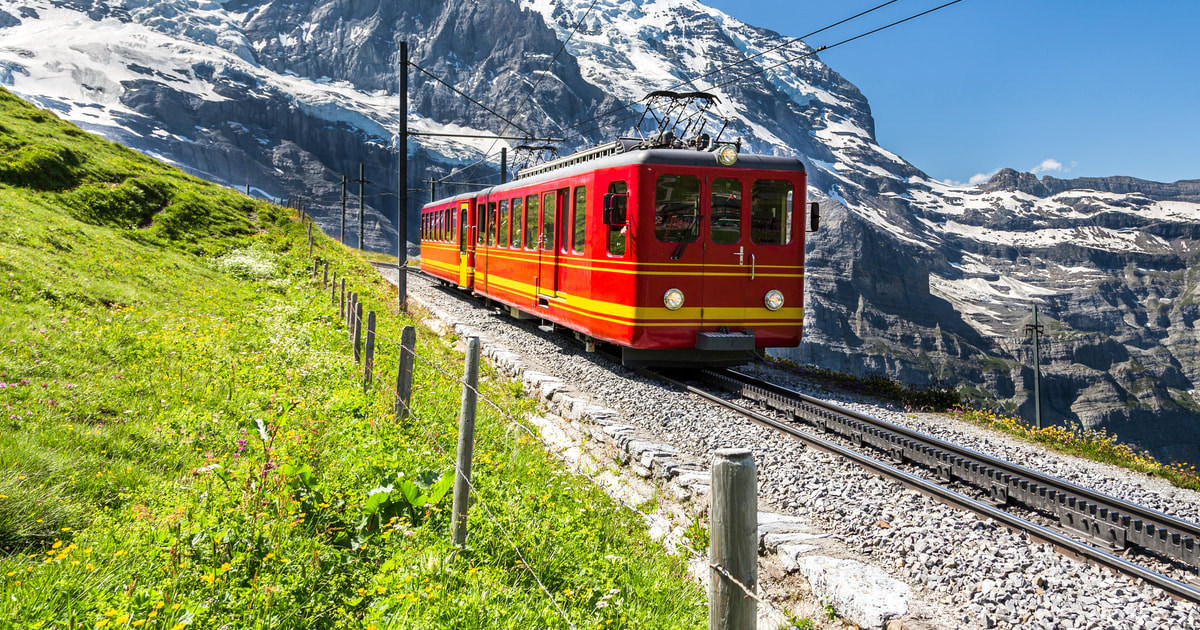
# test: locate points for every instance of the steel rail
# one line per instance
(1064, 543)
(1098, 517)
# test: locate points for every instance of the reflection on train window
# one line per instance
(617, 233)
(548, 221)
(771, 212)
(502, 240)
(531, 221)
(725, 222)
(580, 216)
(677, 209)
(517, 222)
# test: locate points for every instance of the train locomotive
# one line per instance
(677, 253)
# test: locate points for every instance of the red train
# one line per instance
(677, 256)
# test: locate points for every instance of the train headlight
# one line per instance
(774, 300)
(673, 299)
(727, 155)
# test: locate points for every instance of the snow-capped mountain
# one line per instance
(288, 97)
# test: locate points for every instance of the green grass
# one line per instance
(185, 440)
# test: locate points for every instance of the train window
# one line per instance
(677, 209)
(725, 222)
(531, 221)
(463, 234)
(492, 223)
(771, 212)
(580, 220)
(517, 222)
(450, 216)
(447, 225)
(480, 223)
(502, 239)
(616, 235)
(437, 227)
(548, 210)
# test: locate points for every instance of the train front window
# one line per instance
(548, 221)
(677, 209)
(502, 241)
(725, 222)
(616, 233)
(771, 212)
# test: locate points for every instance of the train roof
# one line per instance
(626, 152)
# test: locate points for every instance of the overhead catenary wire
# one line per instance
(764, 69)
(832, 46)
(533, 88)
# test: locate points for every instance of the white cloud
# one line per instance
(1048, 165)
(980, 178)
(975, 180)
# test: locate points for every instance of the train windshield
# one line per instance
(677, 209)
(771, 212)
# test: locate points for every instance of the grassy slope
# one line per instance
(185, 441)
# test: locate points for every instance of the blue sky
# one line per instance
(1069, 88)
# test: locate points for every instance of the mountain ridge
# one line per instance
(290, 96)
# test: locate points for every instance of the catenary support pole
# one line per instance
(733, 541)
(1037, 370)
(343, 209)
(466, 444)
(503, 165)
(362, 208)
(404, 375)
(402, 188)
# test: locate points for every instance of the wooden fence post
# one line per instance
(733, 541)
(325, 275)
(369, 351)
(466, 444)
(404, 375)
(352, 311)
(342, 302)
(350, 316)
(358, 330)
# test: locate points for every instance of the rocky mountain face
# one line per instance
(288, 97)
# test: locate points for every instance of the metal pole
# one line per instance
(402, 188)
(1037, 370)
(362, 180)
(343, 209)
(733, 541)
(503, 165)
(466, 444)
(404, 375)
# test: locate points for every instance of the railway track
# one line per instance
(1090, 525)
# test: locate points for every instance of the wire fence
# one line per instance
(402, 401)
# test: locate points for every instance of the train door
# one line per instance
(728, 258)
(466, 252)
(550, 242)
(776, 245)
